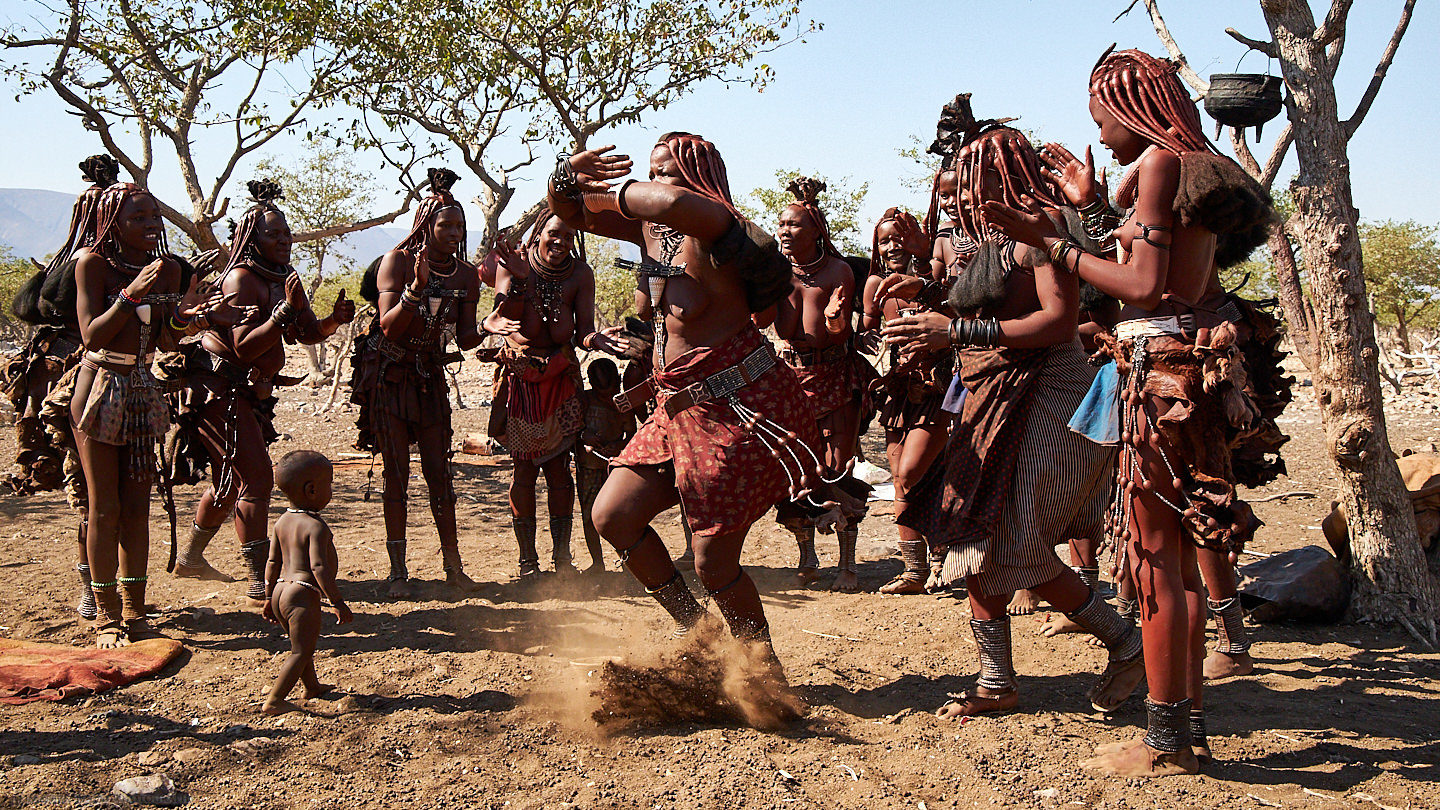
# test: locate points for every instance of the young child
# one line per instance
(304, 552)
(606, 432)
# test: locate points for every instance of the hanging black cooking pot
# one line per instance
(1243, 100)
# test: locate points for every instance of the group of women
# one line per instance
(1003, 439)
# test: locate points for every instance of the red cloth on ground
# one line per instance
(31, 671)
(725, 474)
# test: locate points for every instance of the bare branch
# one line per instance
(1277, 155)
(1267, 48)
(1361, 109)
(1334, 26)
(341, 230)
(1162, 31)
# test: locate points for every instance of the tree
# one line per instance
(1402, 273)
(614, 288)
(840, 203)
(1334, 330)
(551, 72)
(14, 271)
(164, 73)
(324, 193)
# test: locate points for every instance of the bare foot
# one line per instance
(846, 582)
(1227, 665)
(274, 707)
(1023, 604)
(905, 584)
(204, 571)
(979, 701)
(320, 690)
(1142, 760)
(111, 636)
(806, 575)
(933, 583)
(597, 567)
(1117, 683)
(1058, 624)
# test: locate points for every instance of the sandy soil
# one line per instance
(484, 700)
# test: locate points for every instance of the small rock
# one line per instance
(347, 704)
(24, 759)
(149, 759)
(252, 747)
(185, 756)
(156, 789)
(1047, 793)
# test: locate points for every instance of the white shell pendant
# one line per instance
(143, 313)
(433, 304)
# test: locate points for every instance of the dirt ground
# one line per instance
(483, 700)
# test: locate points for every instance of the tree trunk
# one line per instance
(1402, 333)
(1391, 579)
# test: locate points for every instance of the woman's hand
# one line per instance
(1030, 227)
(1077, 180)
(140, 286)
(509, 256)
(344, 310)
(497, 324)
(898, 286)
(921, 332)
(422, 273)
(611, 340)
(295, 292)
(595, 169)
(838, 305)
(912, 236)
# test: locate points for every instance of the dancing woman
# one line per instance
(912, 391)
(1014, 479)
(1180, 349)
(721, 435)
(425, 286)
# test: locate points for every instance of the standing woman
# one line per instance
(1187, 398)
(545, 307)
(425, 286)
(226, 414)
(51, 351)
(912, 390)
(129, 303)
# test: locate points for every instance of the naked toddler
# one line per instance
(300, 571)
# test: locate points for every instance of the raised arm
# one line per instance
(1140, 282)
(400, 278)
(591, 172)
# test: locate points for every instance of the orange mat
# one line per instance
(31, 671)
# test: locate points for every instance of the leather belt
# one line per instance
(806, 358)
(723, 384)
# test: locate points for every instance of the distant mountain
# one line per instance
(33, 222)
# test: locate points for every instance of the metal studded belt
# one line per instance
(723, 384)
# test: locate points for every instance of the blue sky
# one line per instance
(848, 98)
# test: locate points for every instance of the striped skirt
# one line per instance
(1060, 490)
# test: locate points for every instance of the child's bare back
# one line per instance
(301, 570)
